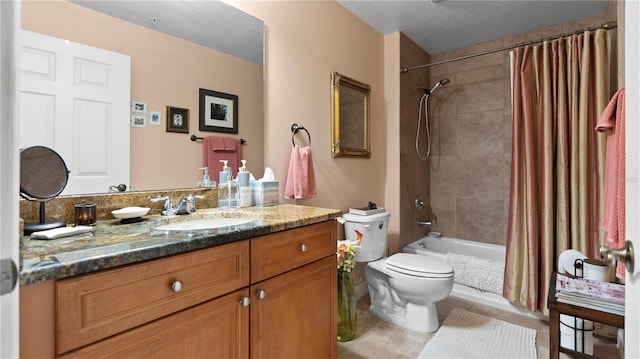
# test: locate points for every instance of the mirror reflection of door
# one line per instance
(75, 99)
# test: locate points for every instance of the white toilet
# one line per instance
(404, 287)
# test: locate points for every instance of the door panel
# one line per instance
(632, 74)
(75, 99)
(9, 183)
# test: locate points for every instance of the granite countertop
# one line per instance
(113, 244)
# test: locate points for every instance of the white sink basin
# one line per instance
(203, 224)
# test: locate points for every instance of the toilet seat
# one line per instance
(418, 266)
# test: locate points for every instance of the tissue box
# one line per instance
(265, 193)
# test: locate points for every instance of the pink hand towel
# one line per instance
(614, 216)
(216, 143)
(301, 180)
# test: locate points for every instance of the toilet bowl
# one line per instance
(404, 287)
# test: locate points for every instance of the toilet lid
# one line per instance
(419, 266)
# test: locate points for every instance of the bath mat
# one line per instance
(469, 335)
(479, 273)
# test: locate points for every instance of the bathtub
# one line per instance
(438, 247)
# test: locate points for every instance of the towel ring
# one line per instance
(294, 129)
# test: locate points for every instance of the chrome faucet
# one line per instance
(185, 206)
(168, 206)
(182, 207)
(425, 223)
(191, 202)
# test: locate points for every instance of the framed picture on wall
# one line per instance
(138, 107)
(155, 118)
(138, 121)
(177, 119)
(218, 112)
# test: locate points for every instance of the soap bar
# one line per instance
(61, 232)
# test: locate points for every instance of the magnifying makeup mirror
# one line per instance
(43, 176)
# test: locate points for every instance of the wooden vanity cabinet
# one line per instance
(293, 311)
(268, 297)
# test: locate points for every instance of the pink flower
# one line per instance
(343, 249)
(346, 252)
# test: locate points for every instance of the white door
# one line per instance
(75, 99)
(632, 122)
(9, 182)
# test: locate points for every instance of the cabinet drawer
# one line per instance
(95, 306)
(215, 329)
(280, 252)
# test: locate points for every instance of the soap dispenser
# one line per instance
(234, 193)
(227, 188)
(243, 184)
(206, 180)
(225, 173)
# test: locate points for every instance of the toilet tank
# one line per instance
(374, 229)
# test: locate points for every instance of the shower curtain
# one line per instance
(560, 88)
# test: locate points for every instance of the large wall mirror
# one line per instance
(349, 117)
(176, 48)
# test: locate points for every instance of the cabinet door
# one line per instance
(215, 329)
(293, 315)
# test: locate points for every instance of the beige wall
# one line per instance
(305, 41)
(165, 71)
(472, 128)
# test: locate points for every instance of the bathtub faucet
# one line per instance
(424, 223)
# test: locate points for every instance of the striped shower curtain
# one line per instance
(560, 88)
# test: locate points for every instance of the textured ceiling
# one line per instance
(440, 26)
(209, 23)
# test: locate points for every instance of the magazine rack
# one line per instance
(556, 308)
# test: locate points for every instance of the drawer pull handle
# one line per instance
(245, 301)
(261, 293)
(176, 286)
(303, 248)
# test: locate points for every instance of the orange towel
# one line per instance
(301, 180)
(612, 122)
(216, 148)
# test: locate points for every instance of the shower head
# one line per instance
(445, 81)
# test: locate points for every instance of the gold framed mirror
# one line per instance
(349, 117)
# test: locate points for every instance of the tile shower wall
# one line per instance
(414, 173)
(471, 132)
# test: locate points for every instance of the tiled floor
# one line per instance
(378, 339)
